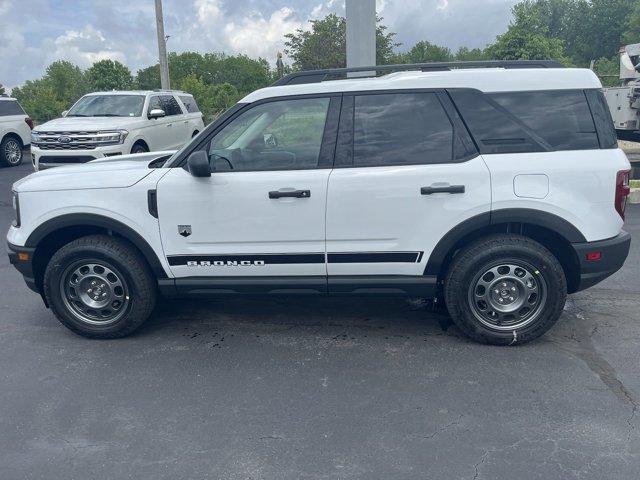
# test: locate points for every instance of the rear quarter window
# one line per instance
(10, 107)
(561, 117)
(190, 104)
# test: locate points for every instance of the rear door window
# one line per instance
(10, 107)
(561, 117)
(401, 129)
(170, 105)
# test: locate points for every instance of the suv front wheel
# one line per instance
(99, 287)
(505, 289)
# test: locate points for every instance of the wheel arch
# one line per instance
(552, 231)
(12, 134)
(57, 232)
(140, 141)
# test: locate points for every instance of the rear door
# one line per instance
(406, 173)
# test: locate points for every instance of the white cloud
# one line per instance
(84, 47)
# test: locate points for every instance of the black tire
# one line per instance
(539, 294)
(10, 151)
(139, 148)
(135, 288)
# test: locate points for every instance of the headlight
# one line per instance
(111, 137)
(16, 209)
(35, 137)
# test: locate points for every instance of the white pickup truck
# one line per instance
(107, 124)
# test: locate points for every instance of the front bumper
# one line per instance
(613, 252)
(22, 259)
(45, 158)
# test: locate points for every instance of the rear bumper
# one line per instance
(613, 253)
(25, 267)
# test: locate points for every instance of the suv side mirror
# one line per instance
(198, 164)
(156, 113)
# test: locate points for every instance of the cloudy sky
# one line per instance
(34, 33)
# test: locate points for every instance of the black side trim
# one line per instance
(264, 258)
(86, 219)
(152, 201)
(24, 267)
(214, 286)
(614, 252)
(383, 285)
(507, 215)
(453, 236)
(539, 218)
(379, 285)
(374, 257)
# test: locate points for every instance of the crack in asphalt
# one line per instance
(445, 427)
(580, 344)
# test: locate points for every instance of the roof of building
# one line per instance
(484, 79)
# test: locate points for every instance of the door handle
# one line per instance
(290, 194)
(443, 189)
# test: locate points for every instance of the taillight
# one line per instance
(29, 122)
(622, 191)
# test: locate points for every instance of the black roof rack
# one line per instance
(314, 76)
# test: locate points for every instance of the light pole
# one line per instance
(361, 34)
(162, 48)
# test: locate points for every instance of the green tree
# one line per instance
(148, 78)
(213, 99)
(109, 75)
(324, 46)
(465, 54)
(632, 27)
(423, 52)
(67, 81)
(518, 43)
(608, 69)
(39, 100)
(2, 92)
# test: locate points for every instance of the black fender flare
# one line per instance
(529, 216)
(100, 221)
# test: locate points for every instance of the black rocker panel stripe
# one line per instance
(300, 258)
(375, 257)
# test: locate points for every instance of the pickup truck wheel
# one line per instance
(99, 287)
(505, 289)
(10, 152)
(139, 148)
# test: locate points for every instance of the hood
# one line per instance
(83, 124)
(124, 172)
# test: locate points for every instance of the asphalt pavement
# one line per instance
(319, 389)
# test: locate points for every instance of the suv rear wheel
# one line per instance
(99, 287)
(505, 289)
(10, 152)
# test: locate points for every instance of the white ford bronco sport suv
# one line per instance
(499, 190)
(15, 131)
(107, 124)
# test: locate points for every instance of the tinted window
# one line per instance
(561, 118)
(401, 129)
(189, 103)
(492, 127)
(281, 135)
(108, 106)
(10, 107)
(170, 105)
(602, 118)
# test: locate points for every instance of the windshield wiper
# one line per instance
(77, 115)
(107, 115)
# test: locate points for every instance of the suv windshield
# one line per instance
(108, 106)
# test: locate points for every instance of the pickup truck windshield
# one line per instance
(108, 106)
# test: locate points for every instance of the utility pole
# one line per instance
(361, 34)
(162, 47)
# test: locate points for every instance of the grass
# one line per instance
(634, 183)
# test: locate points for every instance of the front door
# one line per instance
(405, 175)
(262, 211)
